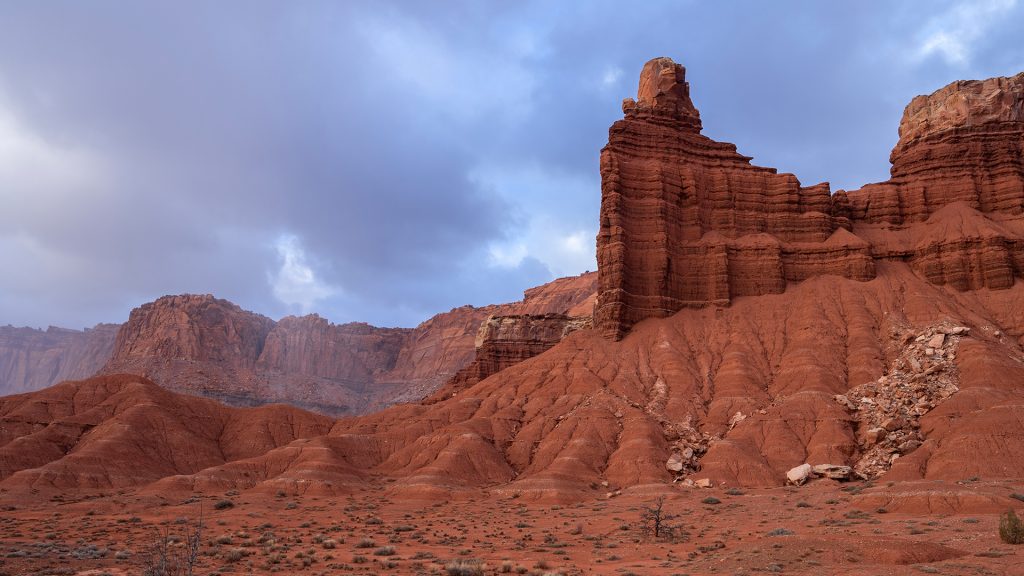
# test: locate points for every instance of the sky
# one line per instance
(383, 161)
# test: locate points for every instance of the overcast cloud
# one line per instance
(384, 161)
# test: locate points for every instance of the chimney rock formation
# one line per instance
(687, 221)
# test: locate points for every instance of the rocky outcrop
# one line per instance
(210, 347)
(31, 359)
(196, 344)
(687, 221)
(954, 207)
(962, 143)
(504, 341)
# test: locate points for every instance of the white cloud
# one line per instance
(506, 255)
(575, 243)
(295, 283)
(952, 33)
(37, 175)
(553, 218)
(545, 239)
(611, 76)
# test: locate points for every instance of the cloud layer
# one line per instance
(383, 161)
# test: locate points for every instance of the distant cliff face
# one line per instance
(687, 221)
(504, 341)
(31, 359)
(210, 347)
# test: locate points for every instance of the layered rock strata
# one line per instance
(687, 221)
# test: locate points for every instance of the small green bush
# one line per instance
(223, 505)
(1011, 529)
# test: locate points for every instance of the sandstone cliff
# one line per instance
(953, 207)
(689, 222)
(31, 359)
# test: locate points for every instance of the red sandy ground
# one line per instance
(930, 527)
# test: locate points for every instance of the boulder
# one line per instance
(834, 471)
(799, 474)
(936, 341)
(675, 463)
(874, 436)
(894, 423)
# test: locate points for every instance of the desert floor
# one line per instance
(821, 528)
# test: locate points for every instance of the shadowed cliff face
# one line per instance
(689, 222)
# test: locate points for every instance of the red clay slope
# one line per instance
(122, 430)
(589, 410)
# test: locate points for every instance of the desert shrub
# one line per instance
(711, 500)
(223, 505)
(1011, 529)
(384, 551)
(656, 522)
(365, 543)
(234, 555)
(165, 558)
(464, 567)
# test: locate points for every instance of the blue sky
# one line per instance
(384, 161)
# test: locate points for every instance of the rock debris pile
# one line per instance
(888, 410)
